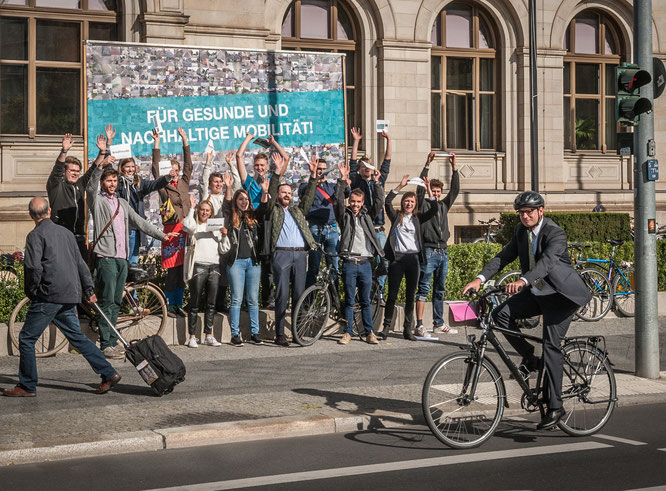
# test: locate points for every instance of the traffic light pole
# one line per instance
(645, 247)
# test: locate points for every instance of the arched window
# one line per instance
(464, 80)
(41, 65)
(593, 52)
(328, 26)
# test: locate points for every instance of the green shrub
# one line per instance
(11, 293)
(579, 227)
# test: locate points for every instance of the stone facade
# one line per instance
(393, 45)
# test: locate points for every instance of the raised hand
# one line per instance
(280, 163)
(170, 235)
(110, 159)
(193, 201)
(426, 182)
(385, 134)
(452, 161)
(228, 179)
(356, 133)
(403, 181)
(110, 133)
(67, 141)
(101, 143)
(230, 157)
(265, 183)
(156, 138)
(271, 139)
(183, 135)
(313, 164)
(375, 175)
(430, 158)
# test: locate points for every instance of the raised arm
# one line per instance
(90, 174)
(281, 151)
(228, 186)
(308, 198)
(378, 202)
(205, 176)
(240, 157)
(156, 154)
(353, 161)
(233, 169)
(339, 200)
(387, 137)
(58, 171)
(454, 187)
(187, 156)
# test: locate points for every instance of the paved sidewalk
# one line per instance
(252, 392)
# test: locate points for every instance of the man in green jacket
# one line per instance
(287, 239)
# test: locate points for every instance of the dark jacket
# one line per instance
(179, 194)
(54, 269)
(347, 224)
(251, 233)
(66, 200)
(394, 216)
(321, 212)
(273, 216)
(358, 182)
(552, 264)
(135, 195)
(436, 230)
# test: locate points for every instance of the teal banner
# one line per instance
(293, 118)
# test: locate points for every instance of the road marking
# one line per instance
(389, 466)
(662, 449)
(619, 440)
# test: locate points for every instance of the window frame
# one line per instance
(602, 60)
(329, 45)
(81, 16)
(476, 54)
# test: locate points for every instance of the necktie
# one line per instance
(530, 245)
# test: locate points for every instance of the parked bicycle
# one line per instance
(618, 280)
(322, 301)
(490, 235)
(8, 275)
(143, 312)
(464, 394)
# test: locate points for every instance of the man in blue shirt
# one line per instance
(252, 184)
(321, 219)
(360, 173)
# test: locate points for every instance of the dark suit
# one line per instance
(559, 292)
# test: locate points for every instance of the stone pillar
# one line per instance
(164, 22)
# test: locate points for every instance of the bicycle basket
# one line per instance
(137, 275)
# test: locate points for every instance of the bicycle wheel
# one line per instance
(375, 305)
(9, 278)
(49, 343)
(588, 389)
(455, 418)
(311, 315)
(509, 277)
(144, 316)
(623, 292)
(601, 300)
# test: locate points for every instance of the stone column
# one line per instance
(164, 22)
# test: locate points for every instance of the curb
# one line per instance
(245, 431)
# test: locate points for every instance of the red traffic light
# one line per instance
(631, 79)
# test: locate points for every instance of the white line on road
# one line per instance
(662, 449)
(619, 440)
(389, 466)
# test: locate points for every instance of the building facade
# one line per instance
(448, 75)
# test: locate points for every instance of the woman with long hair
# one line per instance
(202, 269)
(243, 268)
(405, 252)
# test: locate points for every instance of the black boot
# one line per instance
(407, 334)
(383, 334)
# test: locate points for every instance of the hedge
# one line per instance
(579, 227)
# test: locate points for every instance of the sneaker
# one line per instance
(346, 337)
(112, 354)
(422, 332)
(256, 339)
(119, 349)
(282, 340)
(211, 341)
(192, 343)
(371, 338)
(236, 341)
(444, 329)
(178, 310)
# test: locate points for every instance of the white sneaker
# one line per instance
(445, 330)
(192, 343)
(211, 341)
(422, 332)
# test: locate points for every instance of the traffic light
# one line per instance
(629, 105)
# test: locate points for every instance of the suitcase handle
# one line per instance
(122, 339)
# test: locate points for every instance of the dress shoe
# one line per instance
(178, 310)
(408, 334)
(345, 339)
(281, 340)
(18, 391)
(371, 338)
(551, 418)
(105, 387)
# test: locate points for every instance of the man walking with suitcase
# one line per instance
(56, 278)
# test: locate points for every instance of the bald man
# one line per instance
(56, 279)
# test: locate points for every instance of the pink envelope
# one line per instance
(462, 311)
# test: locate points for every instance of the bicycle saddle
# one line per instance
(615, 242)
(137, 275)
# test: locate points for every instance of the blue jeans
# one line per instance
(134, 244)
(436, 265)
(244, 275)
(357, 275)
(381, 237)
(40, 314)
(327, 236)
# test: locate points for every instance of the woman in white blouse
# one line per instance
(201, 269)
(405, 252)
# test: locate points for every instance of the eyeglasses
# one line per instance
(526, 212)
(74, 171)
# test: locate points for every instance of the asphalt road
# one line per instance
(629, 453)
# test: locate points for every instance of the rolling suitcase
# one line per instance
(158, 366)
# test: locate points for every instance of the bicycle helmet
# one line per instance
(531, 199)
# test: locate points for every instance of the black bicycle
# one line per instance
(322, 301)
(464, 394)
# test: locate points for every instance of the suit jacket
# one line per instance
(551, 262)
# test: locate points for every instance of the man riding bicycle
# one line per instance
(554, 291)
